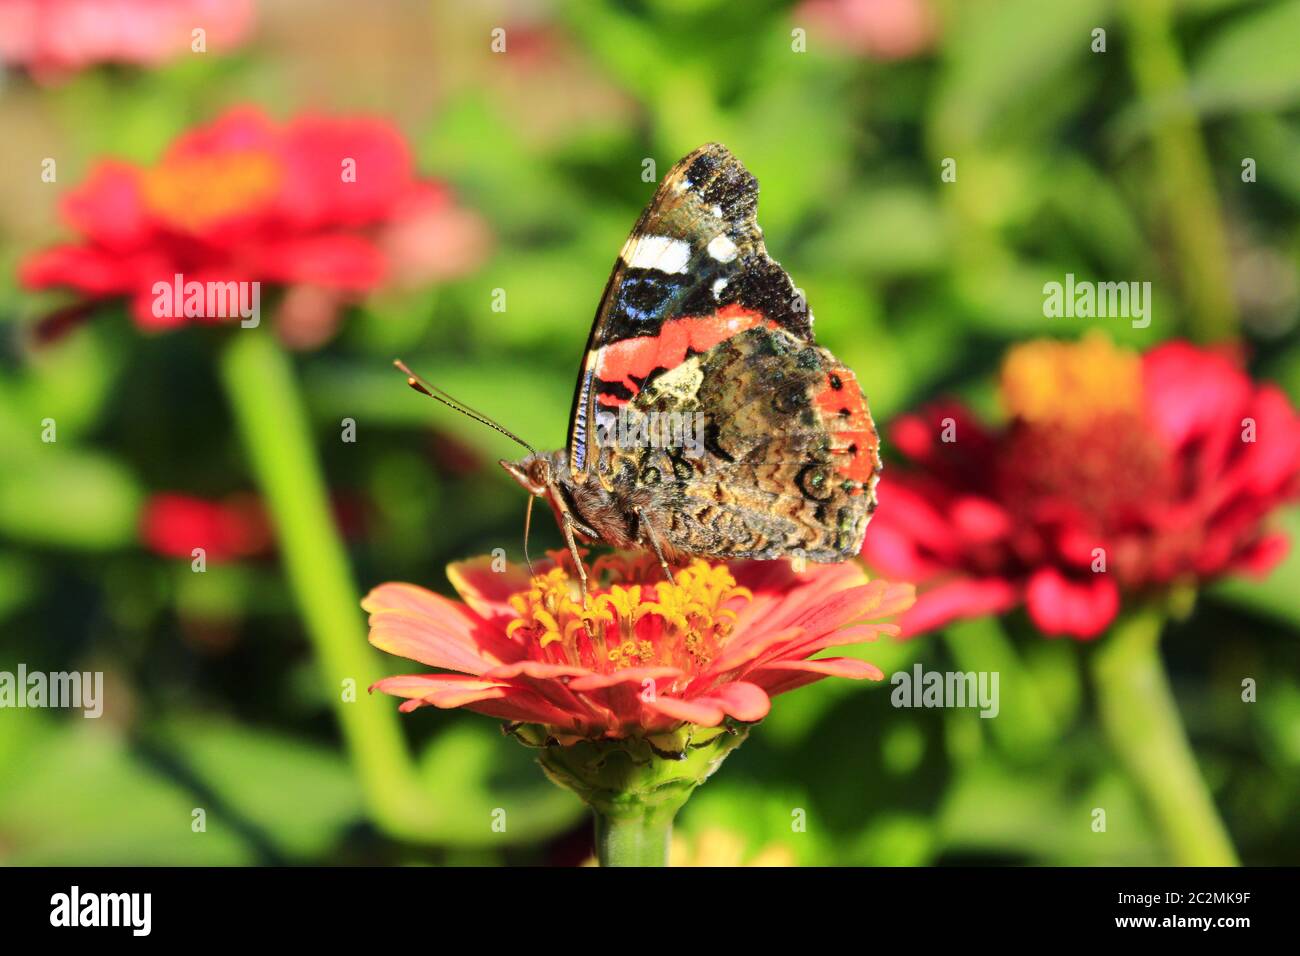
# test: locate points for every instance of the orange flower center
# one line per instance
(1071, 383)
(635, 619)
(194, 192)
(1079, 439)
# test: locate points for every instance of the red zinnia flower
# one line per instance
(1116, 474)
(174, 525)
(53, 37)
(643, 657)
(317, 203)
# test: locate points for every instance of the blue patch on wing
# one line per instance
(579, 458)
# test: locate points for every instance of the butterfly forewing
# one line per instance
(693, 272)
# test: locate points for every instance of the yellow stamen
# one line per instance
(692, 625)
(631, 652)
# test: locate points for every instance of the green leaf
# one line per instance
(1008, 56)
(77, 795)
(1275, 594)
(1251, 63)
(291, 795)
(898, 231)
(70, 499)
(477, 777)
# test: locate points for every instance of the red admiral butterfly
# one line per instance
(705, 420)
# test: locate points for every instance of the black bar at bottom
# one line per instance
(418, 907)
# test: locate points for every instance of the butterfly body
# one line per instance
(706, 420)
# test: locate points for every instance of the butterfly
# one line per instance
(706, 420)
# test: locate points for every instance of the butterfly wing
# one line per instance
(762, 447)
(693, 273)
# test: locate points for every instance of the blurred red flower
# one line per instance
(643, 656)
(1116, 474)
(173, 525)
(879, 29)
(328, 207)
(54, 37)
(234, 527)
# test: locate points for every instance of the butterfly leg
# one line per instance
(569, 524)
(654, 543)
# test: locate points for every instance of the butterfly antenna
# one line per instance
(424, 387)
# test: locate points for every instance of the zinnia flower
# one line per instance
(643, 656)
(636, 696)
(54, 37)
(1117, 474)
(318, 203)
(174, 524)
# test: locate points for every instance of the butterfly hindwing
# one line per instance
(693, 273)
(783, 459)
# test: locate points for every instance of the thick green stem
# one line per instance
(1188, 196)
(1141, 721)
(639, 840)
(263, 392)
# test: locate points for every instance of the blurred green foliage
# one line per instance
(214, 699)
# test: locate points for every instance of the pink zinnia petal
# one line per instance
(1079, 607)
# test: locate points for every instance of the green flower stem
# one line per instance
(1187, 194)
(1141, 721)
(640, 840)
(263, 392)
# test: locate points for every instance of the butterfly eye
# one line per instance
(540, 472)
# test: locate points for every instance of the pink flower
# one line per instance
(1117, 476)
(328, 205)
(643, 657)
(56, 37)
(880, 29)
(174, 525)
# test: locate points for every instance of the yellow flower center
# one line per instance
(1071, 383)
(635, 623)
(1079, 439)
(194, 192)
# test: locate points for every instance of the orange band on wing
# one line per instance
(629, 361)
(846, 417)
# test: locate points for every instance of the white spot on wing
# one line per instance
(718, 286)
(663, 253)
(722, 249)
